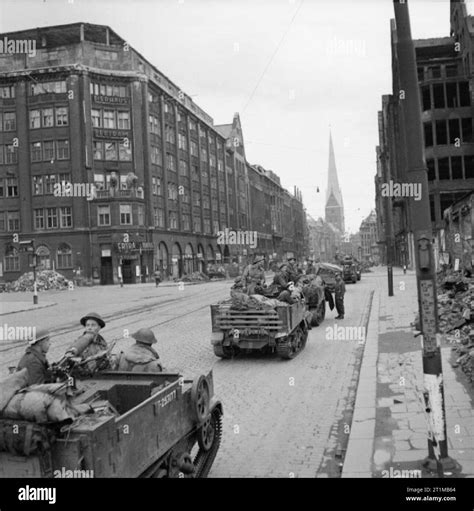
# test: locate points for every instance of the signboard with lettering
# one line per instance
(111, 100)
(109, 133)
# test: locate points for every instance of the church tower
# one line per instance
(334, 204)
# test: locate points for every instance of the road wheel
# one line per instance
(201, 397)
(292, 344)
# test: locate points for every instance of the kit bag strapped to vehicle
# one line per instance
(25, 438)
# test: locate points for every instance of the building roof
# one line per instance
(224, 129)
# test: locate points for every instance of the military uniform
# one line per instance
(252, 278)
(292, 272)
(339, 291)
(36, 364)
(140, 357)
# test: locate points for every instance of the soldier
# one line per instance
(140, 357)
(90, 342)
(339, 290)
(34, 359)
(280, 280)
(292, 270)
(253, 276)
(310, 269)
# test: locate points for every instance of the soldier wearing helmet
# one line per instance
(34, 359)
(253, 277)
(140, 357)
(90, 343)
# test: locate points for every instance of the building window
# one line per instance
(99, 181)
(7, 91)
(469, 166)
(125, 214)
(156, 185)
(13, 221)
(37, 185)
(49, 182)
(39, 219)
(172, 191)
(464, 94)
(154, 124)
(62, 116)
(125, 150)
(51, 218)
(35, 119)
(64, 256)
(66, 216)
(109, 119)
(431, 170)
(155, 155)
(2, 221)
(98, 150)
(36, 152)
(194, 149)
(182, 142)
(428, 134)
(103, 215)
(197, 224)
(426, 96)
(47, 117)
(207, 225)
(9, 121)
(96, 118)
(456, 167)
(171, 162)
(466, 126)
(159, 217)
(48, 150)
(173, 219)
(12, 259)
(441, 133)
(110, 151)
(203, 154)
(451, 70)
(170, 135)
(11, 155)
(56, 87)
(452, 95)
(141, 215)
(183, 167)
(12, 187)
(123, 120)
(186, 222)
(454, 131)
(62, 148)
(443, 168)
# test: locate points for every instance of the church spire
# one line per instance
(334, 202)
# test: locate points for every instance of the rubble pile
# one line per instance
(456, 317)
(45, 279)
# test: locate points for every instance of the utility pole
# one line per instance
(421, 226)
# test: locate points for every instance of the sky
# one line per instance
(292, 69)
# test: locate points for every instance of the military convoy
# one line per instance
(157, 425)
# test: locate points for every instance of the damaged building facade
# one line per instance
(445, 77)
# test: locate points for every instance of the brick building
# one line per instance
(85, 109)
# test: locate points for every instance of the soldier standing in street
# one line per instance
(339, 291)
(34, 359)
(253, 276)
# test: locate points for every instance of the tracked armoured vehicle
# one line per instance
(139, 425)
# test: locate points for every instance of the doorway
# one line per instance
(127, 271)
(106, 271)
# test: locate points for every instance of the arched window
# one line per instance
(43, 258)
(11, 259)
(64, 256)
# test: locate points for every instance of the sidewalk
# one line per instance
(389, 430)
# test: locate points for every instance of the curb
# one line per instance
(33, 308)
(358, 459)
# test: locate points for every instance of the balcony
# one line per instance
(119, 194)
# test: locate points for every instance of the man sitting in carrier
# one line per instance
(140, 357)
